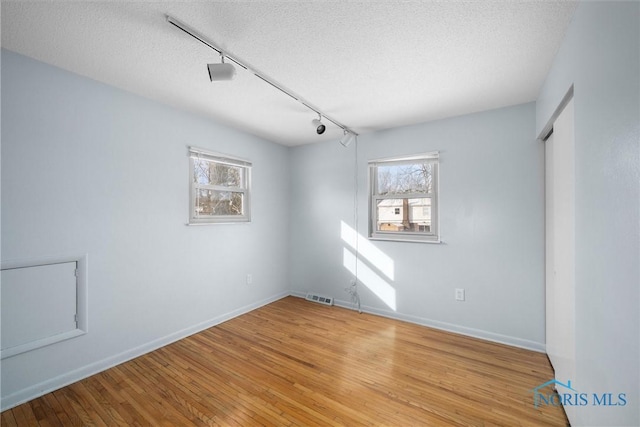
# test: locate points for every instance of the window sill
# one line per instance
(198, 224)
(408, 239)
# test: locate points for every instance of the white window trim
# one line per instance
(432, 237)
(245, 165)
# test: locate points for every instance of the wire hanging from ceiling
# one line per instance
(243, 64)
(353, 287)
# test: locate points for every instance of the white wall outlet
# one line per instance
(459, 294)
(249, 279)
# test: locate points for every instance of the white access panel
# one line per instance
(38, 304)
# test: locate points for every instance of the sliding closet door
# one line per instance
(560, 246)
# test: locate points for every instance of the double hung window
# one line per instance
(219, 188)
(404, 198)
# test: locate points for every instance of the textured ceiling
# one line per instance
(369, 65)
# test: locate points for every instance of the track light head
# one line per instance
(320, 128)
(219, 72)
(222, 71)
(347, 138)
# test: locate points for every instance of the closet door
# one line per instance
(560, 245)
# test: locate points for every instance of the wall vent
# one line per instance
(319, 298)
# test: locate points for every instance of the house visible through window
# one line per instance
(219, 188)
(403, 197)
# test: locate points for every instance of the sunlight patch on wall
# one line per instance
(367, 250)
(370, 279)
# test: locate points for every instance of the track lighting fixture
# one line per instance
(226, 71)
(347, 138)
(221, 71)
(320, 128)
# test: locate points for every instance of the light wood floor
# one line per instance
(298, 363)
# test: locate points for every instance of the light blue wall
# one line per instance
(491, 222)
(87, 168)
(600, 56)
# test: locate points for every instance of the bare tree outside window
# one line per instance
(401, 179)
(212, 202)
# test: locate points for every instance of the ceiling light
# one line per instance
(347, 138)
(222, 71)
(225, 71)
(320, 128)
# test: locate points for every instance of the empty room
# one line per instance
(320, 213)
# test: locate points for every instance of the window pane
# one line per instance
(211, 202)
(210, 173)
(414, 215)
(410, 178)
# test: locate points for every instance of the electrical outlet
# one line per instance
(249, 279)
(459, 294)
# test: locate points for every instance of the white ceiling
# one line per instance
(369, 65)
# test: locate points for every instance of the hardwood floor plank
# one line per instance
(51, 401)
(131, 391)
(7, 419)
(76, 411)
(24, 415)
(295, 363)
(45, 415)
(110, 390)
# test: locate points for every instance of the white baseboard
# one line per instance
(52, 384)
(299, 294)
(449, 327)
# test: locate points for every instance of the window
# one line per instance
(219, 188)
(404, 198)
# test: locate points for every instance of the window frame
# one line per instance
(244, 165)
(433, 236)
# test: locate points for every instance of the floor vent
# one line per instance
(319, 298)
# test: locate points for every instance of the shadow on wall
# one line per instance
(371, 267)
